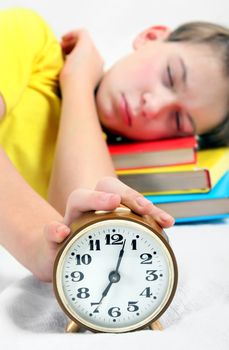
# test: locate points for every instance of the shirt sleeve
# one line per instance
(25, 39)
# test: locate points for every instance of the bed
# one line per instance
(198, 317)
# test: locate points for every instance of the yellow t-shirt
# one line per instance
(30, 62)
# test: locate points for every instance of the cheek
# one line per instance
(105, 92)
(135, 74)
(102, 104)
(146, 78)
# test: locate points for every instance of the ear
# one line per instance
(149, 34)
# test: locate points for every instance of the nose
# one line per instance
(152, 104)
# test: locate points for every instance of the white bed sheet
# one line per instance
(198, 317)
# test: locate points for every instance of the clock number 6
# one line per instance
(114, 311)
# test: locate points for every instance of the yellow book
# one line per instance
(200, 177)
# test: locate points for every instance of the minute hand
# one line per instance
(120, 256)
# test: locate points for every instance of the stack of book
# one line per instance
(189, 184)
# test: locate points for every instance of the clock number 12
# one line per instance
(117, 239)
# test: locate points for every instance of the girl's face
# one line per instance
(163, 89)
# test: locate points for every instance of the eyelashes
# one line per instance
(170, 76)
(175, 114)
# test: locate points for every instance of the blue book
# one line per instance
(213, 205)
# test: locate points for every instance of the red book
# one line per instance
(143, 154)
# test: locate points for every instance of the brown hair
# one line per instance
(217, 37)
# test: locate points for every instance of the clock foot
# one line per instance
(72, 327)
(156, 326)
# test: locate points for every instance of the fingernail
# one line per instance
(165, 217)
(63, 229)
(142, 201)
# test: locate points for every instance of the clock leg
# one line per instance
(72, 327)
(156, 326)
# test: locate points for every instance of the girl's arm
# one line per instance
(23, 215)
(81, 156)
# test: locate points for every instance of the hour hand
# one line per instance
(104, 293)
(106, 290)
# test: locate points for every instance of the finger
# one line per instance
(74, 34)
(68, 47)
(134, 200)
(71, 40)
(83, 200)
(68, 43)
(70, 35)
(56, 232)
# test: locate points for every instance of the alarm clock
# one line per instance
(115, 273)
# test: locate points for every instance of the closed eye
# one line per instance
(170, 77)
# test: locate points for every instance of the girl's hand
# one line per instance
(108, 195)
(83, 61)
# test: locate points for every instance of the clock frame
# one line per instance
(121, 213)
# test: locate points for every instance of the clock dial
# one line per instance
(115, 276)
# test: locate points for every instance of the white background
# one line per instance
(114, 23)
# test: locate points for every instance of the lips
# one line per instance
(125, 111)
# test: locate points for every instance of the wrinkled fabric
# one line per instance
(198, 317)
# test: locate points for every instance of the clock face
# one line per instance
(116, 276)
